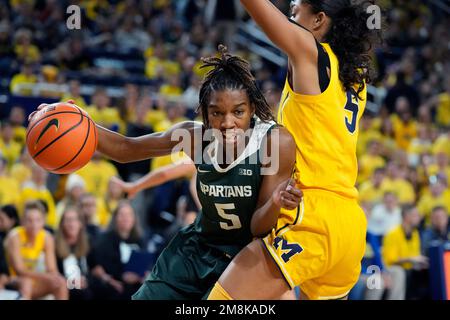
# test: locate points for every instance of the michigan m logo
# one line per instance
(289, 249)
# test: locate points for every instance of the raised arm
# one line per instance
(296, 42)
(285, 195)
(126, 149)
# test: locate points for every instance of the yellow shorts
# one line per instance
(320, 245)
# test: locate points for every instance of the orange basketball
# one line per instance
(61, 138)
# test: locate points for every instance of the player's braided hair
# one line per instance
(231, 73)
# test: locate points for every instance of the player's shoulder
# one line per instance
(280, 135)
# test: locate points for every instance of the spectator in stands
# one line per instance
(369, 161)
(102, 112)
(371, 192)
(9, 219)
(112, 252)
(420, 145)
(6, 48)
(17, 120)
(439, 230)
(21, 170)
(130, 37)
(441, 103)
(73, 56)
(223, 15)
(75, 188)
(89, 215)
(172, 87)
(441, 166)
(75, 94)
(36, 189)
(25, 51)
(190, 95)
(72, 248)
(9, 187)
(26, 247)
(97, 173)
(51, 76)
(113, 196)
(437, 195)
(401, 89)
(405, 127)
(384, 216)
(397, 183)
(186, 214)
(9, 148)
(401, 252)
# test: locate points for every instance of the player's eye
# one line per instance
(239, 113)
(215, 114)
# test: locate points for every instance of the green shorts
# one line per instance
(187, 269)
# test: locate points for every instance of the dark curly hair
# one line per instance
(231, 73)
(351, 39)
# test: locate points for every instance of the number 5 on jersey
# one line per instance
(353, 107)
(233, 221)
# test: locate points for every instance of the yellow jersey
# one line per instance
(397, 246)
(30, 252)
(325, 128)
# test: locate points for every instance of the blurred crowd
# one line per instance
(134, 66)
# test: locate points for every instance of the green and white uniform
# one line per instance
(196, 257)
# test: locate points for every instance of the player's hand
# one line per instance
(43, 105)
(287, 196)
(129, 188)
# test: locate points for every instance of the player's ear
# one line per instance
(252, 110)
(319, 20)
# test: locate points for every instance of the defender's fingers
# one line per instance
(296, 192)
(289, 205)
(287, 196)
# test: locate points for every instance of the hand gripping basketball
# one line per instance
(61, 137)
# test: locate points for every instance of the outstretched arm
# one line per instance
(125, 149)
(285, 195)
(157, 177)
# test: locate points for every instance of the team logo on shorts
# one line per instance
(289, 249)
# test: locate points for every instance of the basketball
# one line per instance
(61, 138)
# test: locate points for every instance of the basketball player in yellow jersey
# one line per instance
(319, 245)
